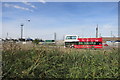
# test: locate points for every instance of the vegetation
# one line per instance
(36, 41)
(44, 62)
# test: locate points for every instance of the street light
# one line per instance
(22, 30)
(28, 20)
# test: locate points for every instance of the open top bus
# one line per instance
(74, 41)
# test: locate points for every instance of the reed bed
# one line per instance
(35, 61)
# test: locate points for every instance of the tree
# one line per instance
(36, 41)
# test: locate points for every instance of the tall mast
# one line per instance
(22, 31)
(97, 31)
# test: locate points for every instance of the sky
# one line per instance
(62, 18)
(0, 20)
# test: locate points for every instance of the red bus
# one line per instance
(76, 42)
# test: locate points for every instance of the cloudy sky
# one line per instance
(64, 18)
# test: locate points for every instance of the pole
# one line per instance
(7, 35)
(63, 37)
(55, 37)
(97, 31)
(22, 31)
(22, 28)
(100, 35)
(111, 34)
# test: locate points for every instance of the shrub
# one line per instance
(44, 62)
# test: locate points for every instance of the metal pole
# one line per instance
(97, 31)
(55, 37)
(7, 35)
(63, 37)
(22, 31)
(100, 35)
(111, 34)
(22, 28)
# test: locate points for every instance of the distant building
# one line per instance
(110, 39)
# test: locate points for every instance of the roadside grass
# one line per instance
(43, 62)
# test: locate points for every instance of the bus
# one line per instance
(73, 41)
(49, 42)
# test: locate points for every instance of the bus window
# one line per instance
(89, 43)
(98, 43)
(81, 43)
(71, 37)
